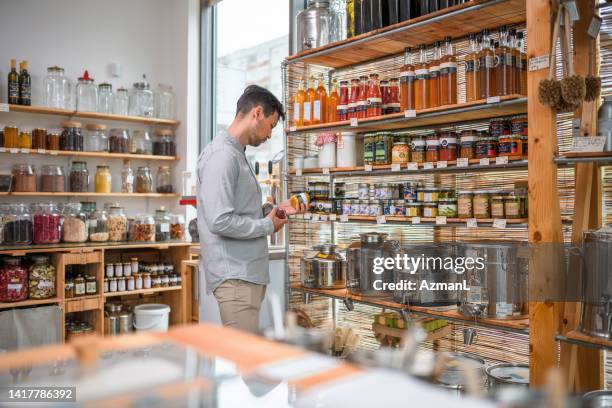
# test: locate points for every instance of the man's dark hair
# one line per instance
(255, 95)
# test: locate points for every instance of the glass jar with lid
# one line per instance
(24, 140)
(464, 204)
(117, 224)
(119, 141)
(143, 228)
(18, 228)
(47, 225)
(400, 152)
(54, 137)
(41, 278)
(127, 178)
(76, 223)
(162, 225)
(96, 140)
(120, 102)
(417, 149)
(164, 180)
(432, 152)
(88, 207)
(86, 94)
(497, 203)
(39, 138)
(71, 138)
(57, 89)
(11, 137)
(141, 142)
(177, 226)
(144, 180)
(105, 98)
(24, 178)
(141, 99)
(164, 102)
(98, 226)
(164, 143)
(481, 204)
(103, 179)
(79, 286)
(79, 177)
(52, 179)
(514, 206)
(91, 285)
(14, 282)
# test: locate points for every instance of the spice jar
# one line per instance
(481, 205)
(432, 153)
(121, 287)
(47, 224)
(144, 180)
(141, 143)
(464, 204)
(18, 225)
(71, 138)
(52, 179)
(69, 288)
(447, 207)
(400, 153)
(177, 226)
(134, 262)
(130, 284)
(430, 210)
(118, 270)
(164, 143)
(486, 147)
(146, 281)
(76, 224)
(414, 209)
(98, 226)
(24, 178)
(112, 284)
(510, 145)
(110, 270)
(156, 281)
(497, 203)
(53, 139)
(24, 141)
(96, 140)
(119, 141)
(79, 286)
(513, 206)
(117, 224)
(11, 137)
(164, 180)
(13, 281)
(137, 281)
(103, 180)
(143, 228)
(127, 269)
(448, 145)
(91, 286)
(468, 140)
(79, 177)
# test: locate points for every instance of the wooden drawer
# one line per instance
(82, 304)
(83, 258)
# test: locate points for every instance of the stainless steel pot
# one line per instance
(505, 375)
(455, 375)
(125, 320)
(324, 268)
(598, 399)
(313, 25)
(111, 319)
(597, 283)
(498, 283)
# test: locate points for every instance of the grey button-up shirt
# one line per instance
(233, 231)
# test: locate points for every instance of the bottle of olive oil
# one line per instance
(25, 85)
(13, 84)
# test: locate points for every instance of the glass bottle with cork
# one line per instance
(486, 68)
(448, 74)
(407, 80)
(25, 85)
(472, 91)
(434, 76)
(421, 86)
(319, 110)
(13, 84)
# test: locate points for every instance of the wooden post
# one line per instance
(544, 207)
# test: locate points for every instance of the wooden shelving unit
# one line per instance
(87, 247)
(91, 194)
(142, 291)
(397, 219)
(578, 338)
(29, 303)
(98, 155)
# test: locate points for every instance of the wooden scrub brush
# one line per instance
(573, 88)
(592, 82)
(549, 89)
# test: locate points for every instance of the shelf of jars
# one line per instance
(142, 291)
(71, 247)
(91, 194)
(585, 340)
(448, 313)
(425, 221)
(87, 115)
(456, 21)
(100, 155)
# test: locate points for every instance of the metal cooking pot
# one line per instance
(324, 268)
(455, 375)
(505, 375)
(598, 399)
(313, 25)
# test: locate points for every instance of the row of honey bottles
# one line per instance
(312, 105)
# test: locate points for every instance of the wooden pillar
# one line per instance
(544, 207)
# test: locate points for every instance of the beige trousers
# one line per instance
(239, 304)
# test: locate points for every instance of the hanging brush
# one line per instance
(592, 82)
(573, 88)
(549, 90)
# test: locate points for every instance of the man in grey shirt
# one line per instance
(231, 222)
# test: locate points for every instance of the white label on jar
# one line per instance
(493, 99)
(307, 111)
(298, 172)
(129, 179)
(25, 151)
(471, 223)
(2, 150)
(411, 113)
(315, 217)
(164, 227)
(296, 111)
(484, 161)
(413, 166)
(323, 217)
(428, 165)
(372, 101)
(93, 223)
(381, 219)
(440, 220)
(442, 164)
(41, 151)
(463, 162)
(433, 142)
(395, 167)
(14, 286)
(45, 284)
(416, 220)
(354, 122)
(503, 309)
(407, 74)
(344, 218)
(367, 167)
(449, 64)
(317, 110)
(422, 72)
(475, 294)
(14, 150)
(501, 160)
(499, 223)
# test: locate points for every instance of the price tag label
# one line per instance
(594, 27)
(442, 164)
(440, 220)
(333, 217)
(323, 217)
(164, 227)
(2, 150)
(354, 122)
(499, 223)
(53, 152)
(413, 166)
(428, 165)
(325, 170)
(367, 167)
(292, 129)
(307, 216)
(315, 217)
(416, 220)
(589, 144)
(381, 219)
(4, 107)
(25, 151)
(410, 113)
(471, 223)
(539, 62)
(493, 99)
(14, 150)
(501, 160)
(298, 172)
(463, 162)
(344, 218)
(396, 167)
(41, 151)
(484, 161)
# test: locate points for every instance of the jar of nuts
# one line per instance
(117, 224)
(143, 228)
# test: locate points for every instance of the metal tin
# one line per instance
(324, 268)
(508, 374)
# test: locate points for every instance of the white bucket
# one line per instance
(151, 317)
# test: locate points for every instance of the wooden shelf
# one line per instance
(395, 219)
(517, 325)
(20, 250)
(88, 194)
(91, 115)
(581, 339)
(83, 303)
(437, 117)
(600, 158)
(457, 22)
(101, 155)
(29, 302)
(142, 291)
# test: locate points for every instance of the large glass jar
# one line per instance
(120, 102)
(71, 138)
(79, 177)
(88, 207)
(162, 225)
(105, 98)
(141, 142)
(52, 179)
(143, 228)
(76, 224)
(144, 180)
(18, 225)
(96, 140)
(481, 204)
(383, 146)
(86, 94)
(42, 276)
(164, 102)
(54, 137)
(164, 180)
(56, 89)
(164, 143)
(4, 211)
(11, 137)
(141, 100)
(24, 141)
(417, 149)
(39, 138)
(98, 226)
(24, 178)
(119, 141)
(13, 281)
(432, 153)
(103, 179)
(117, 224)
(177, 226)
(127, 178)
(47, 224)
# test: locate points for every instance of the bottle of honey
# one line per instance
(407, 78)
(448, 74)
(319, 110)
(354, 99)
(434, 76)
(421, 86)
(362, 102)
(309, 102)
(332, 103)
(298, 105)
(374, 97)
(503, 64)
(472, 92)
(516, 63)
(486, 58)
(520, 46)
